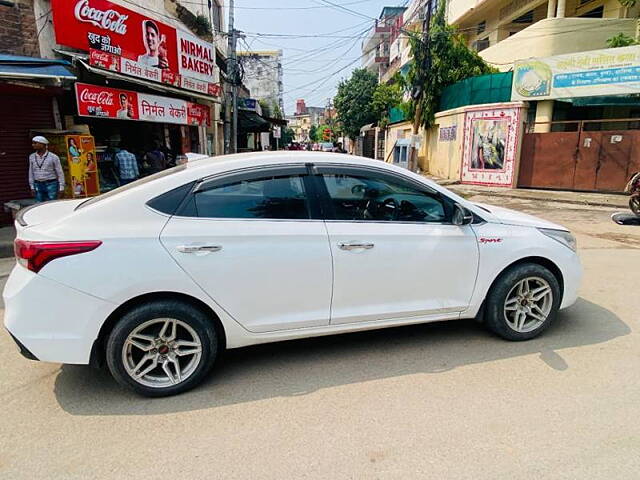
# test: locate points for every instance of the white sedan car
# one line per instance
(157, 277)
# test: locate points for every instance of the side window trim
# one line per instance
(248, 175)
(254, 174)
(327, 204)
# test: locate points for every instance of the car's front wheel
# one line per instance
(162, 348)
(523, 302)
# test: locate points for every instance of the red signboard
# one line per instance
(105, 102)
(125, 41)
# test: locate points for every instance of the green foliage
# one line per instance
(451, 62)
(385, 97)
(313, 133)
(621, 40)
(201, 25)
(353, 101)
(287, 136)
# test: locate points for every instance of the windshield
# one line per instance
(138, 182)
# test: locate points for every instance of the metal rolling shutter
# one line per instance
(18, 115)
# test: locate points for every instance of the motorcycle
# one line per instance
(633, 189)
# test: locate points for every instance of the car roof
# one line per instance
(280, 157)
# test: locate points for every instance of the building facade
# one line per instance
(153, 80)
(263, 75)
(377, 43)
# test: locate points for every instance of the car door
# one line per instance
(250, 240)
(396, 253)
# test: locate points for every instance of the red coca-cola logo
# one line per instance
(109, 20)
(100, 98)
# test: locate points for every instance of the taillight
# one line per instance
(35, 255)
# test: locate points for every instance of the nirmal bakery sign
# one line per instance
(127, 42)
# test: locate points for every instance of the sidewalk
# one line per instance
(560, 196)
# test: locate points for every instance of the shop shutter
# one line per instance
(18, 115)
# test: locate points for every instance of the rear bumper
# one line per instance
(50, 321)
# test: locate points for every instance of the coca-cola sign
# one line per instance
(109, 20)
(125, 41)
(105, 102)
(101, 97)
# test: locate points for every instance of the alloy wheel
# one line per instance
(528, 304)
(161, 352)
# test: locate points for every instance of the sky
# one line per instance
(321, 43)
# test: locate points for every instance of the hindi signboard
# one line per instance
(613, 71)
(105, 102)
(127, 42)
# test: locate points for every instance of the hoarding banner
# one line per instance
(127, 42)
(105, 102)
(613, 71)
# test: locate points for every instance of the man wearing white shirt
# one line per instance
(46, 177)
(154, 45)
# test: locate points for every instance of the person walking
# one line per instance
(46, 178)
(127, 166)
(156, 159)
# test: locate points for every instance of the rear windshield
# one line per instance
(124, 188)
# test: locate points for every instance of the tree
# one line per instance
(386, 97)
(313, 133)
(450, 62)
(353, 101)
(287, 136)
(621, 40)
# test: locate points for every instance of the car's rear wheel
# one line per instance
(523, 302)
(162, 348)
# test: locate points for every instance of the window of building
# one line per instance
(482, 26)
(281, 197)
(526, 18)
(480, 45)
(595, 13)
(217, 15)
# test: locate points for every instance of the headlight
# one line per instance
(562, 236)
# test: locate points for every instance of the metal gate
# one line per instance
(20, 112)
(589, 158)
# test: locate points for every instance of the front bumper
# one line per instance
(50, 321)
(572, 275)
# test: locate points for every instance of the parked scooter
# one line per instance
(633, 189)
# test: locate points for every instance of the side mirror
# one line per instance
(461, 216)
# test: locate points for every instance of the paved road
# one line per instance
(434, 401)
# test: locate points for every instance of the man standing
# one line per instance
(46, 178)
(127, 166)
(156, 158)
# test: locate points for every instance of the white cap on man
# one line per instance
(40, 139)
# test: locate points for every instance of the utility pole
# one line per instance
(426, 68)
(231, 94)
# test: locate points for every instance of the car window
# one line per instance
(369, 197)
(273, 197)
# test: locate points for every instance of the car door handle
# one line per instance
(198, 248)
(355, 245)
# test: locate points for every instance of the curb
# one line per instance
(588, 203)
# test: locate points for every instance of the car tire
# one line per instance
(526, 289)
(162, 348)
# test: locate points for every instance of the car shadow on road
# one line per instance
(305, 366)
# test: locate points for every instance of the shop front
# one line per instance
(139, 122)
(143, 84)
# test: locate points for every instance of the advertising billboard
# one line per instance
(613, 71)
(104, 102)
(124, 41)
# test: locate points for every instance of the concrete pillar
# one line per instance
(544, 113)
(562, 6)
(551, 8)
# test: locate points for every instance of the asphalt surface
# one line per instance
(445, 400)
